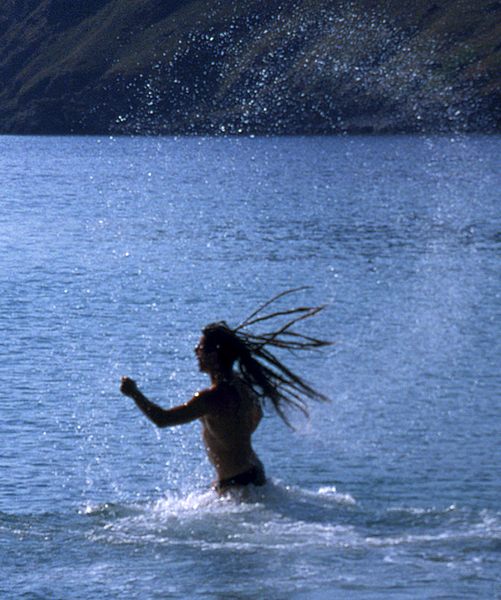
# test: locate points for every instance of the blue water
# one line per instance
(115, 252)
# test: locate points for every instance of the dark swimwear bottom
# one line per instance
(254, 475)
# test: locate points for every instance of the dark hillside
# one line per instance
(303, 66)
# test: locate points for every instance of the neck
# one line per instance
(220, 376)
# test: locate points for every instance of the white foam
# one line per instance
(274, 516)
(332, 492)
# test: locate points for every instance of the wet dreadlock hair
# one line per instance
(268, 377)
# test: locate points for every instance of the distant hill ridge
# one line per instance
(232, 67)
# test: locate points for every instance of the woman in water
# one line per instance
(231, 409)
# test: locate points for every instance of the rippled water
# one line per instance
(115, 252)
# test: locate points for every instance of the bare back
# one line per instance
(233, 416)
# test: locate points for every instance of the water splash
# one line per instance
(298, 69)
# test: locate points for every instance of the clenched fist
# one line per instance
(128, 387)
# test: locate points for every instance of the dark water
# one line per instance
(113, 255)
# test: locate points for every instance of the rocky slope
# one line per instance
(227, 67)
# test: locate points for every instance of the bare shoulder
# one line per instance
(204, 395)
(208, 398)
(220, 398)
(225, 397)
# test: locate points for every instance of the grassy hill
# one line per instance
(276, 67)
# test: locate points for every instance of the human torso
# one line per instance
(228, 428)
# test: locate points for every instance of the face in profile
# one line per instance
(207, 358)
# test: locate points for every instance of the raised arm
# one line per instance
(194, 409)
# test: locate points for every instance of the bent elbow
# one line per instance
(162, 421)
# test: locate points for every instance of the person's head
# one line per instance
(218, 348)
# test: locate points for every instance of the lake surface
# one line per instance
(114, 253)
